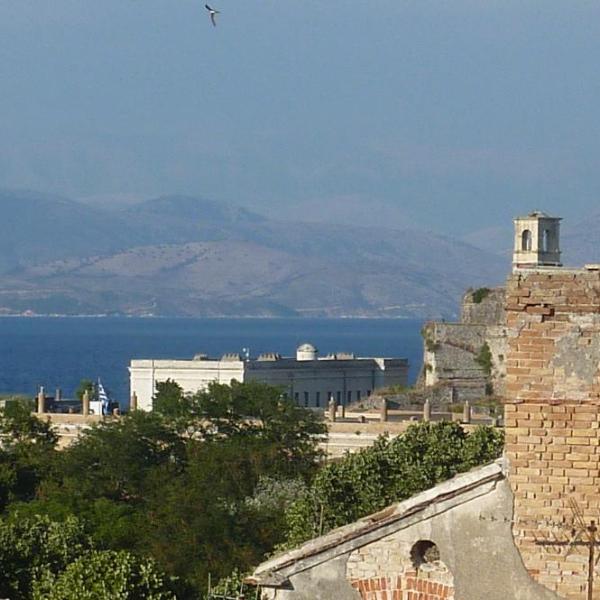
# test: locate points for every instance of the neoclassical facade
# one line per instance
(307, 378)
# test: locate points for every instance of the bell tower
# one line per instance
(537, 238)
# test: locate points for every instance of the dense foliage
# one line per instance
(35, 550)
(389, 471)
(107, 575)
(147, 506)
(200, 486)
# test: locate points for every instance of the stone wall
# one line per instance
(477, 556)
(488, 311)
(450, 358)
(552, 419)
(385, 571)
(451, 349)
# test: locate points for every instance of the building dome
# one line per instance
(306, 351)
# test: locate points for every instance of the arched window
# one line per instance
(546, 240)
(526, 240)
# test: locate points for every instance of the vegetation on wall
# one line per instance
(480, 294)
(484, 359)
(428, 338)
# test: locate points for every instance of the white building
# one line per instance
(308, 379)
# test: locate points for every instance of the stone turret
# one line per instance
(537, 241)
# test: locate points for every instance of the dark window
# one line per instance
(297, 397)
(306, 398)
(368, 393)
(424, 552)
(358, 395)
(339, 397)
(349, 396)
(318, 399)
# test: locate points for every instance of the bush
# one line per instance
(388, 472)
(107, 575)
(36, 549)
(484, 359)
(479, 294)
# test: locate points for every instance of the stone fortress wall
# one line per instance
(452, 351)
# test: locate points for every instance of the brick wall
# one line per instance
(552, 412)
(384, 570)
(409, 586)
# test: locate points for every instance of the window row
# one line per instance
(317, 400)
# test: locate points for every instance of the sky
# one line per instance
(449, 115)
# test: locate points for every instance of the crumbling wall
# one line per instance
(484, 307)
(388, 569)
(552, 419)
(453, 351)
(478, 560)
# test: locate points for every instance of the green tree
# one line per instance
(258, 410)
(215, 510)
(202, 488)
(112, 459)
(86, 385)
(107, 575)
(21, 431)
(27, 450)
(102, 478)
(36, 549)
(170, 401)
(389, 471)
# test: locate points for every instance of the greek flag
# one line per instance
(103, 398)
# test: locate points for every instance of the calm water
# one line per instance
(60, 352)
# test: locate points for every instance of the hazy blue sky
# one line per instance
(453, 115)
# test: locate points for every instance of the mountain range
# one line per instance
(180, 255)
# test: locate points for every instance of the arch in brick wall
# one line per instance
(411, 572)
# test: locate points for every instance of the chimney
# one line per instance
(41, 401)
(85, 403)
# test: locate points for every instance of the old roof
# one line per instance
(461, 488)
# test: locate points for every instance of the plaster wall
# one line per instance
(191, 375)
(475, 543)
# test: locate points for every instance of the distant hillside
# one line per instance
(580, 242)
(187, 256)
(36, 227)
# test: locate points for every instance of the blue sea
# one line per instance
(60, 352)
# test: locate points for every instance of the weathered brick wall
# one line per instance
(384, 570)
(552, 410)
(407, 587)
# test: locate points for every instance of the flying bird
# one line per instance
(213, 14)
